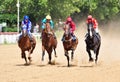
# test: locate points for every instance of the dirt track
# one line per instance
(107, 70)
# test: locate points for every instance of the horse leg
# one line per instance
(66, 54)
(33, 47)
(29, 56)
(72, 53)
(55, 52)
(30, 52)
(90, 57)
(24, 56)
(97, 52)
(43, 53)
(30, 60)
(49, 58)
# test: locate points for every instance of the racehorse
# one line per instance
(69, 44)
(49, 42)
(93, 42)
(25, 45)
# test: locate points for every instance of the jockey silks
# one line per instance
(44, 21)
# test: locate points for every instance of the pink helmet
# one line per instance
(89, 16)
(69, 19)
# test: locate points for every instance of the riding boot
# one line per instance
(73, 37)
(63, 38)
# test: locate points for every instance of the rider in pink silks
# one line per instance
(72, 26)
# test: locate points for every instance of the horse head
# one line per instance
(91, 30)
(47, 27)
(67, 33)
(24, 32)
(48, 30)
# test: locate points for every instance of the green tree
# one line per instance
(58, 9)
(8, 11)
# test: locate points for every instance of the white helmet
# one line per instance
(48, 17)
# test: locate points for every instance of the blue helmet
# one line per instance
(26, 17)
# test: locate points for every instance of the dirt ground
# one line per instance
(12, 68)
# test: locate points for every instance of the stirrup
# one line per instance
(73, 39)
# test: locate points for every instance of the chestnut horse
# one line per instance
(49, 42)
(69, 44)
(25, 45)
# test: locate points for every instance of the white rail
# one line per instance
(13, 37)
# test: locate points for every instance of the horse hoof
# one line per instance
(68, 65)
(22, 56)
(30, 61)
(90, 60)
(29, 58)
(56, 56)
(49, 62)
(26, 64)
(95, 62)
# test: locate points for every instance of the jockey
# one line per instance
(48, 19)
(92, 20)
(72, 26)
(26, 24)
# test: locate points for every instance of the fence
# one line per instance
(12, 37)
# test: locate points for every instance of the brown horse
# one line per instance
(69, 44)
(49, 43)
(25, 45)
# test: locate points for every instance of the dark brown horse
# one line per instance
(25, 45)
(49, 42)
(69, 44)
(93, 42)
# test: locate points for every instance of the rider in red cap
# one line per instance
(72, 26)
(92, 20)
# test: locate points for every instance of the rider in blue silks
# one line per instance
(27, 25)
(48, 19)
